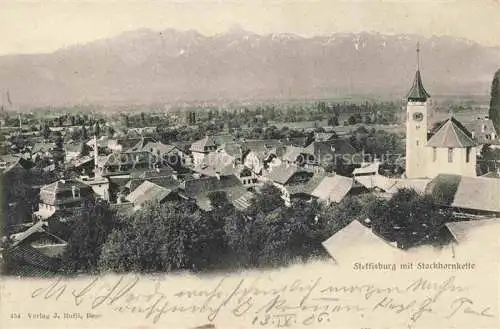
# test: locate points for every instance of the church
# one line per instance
(450, 150)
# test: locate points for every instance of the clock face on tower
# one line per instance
(418, 116)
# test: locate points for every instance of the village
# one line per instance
(62, 180)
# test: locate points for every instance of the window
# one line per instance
(434, 154)
(418, 142)
(450, 155)
(467, 155)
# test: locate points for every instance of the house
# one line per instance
(477, 194)
(84, 165)
(367, 169)
(34, 252)
(468, 195)
(126, 144)
(165, 177)
(332, 189)
(234, 150)
(9, 163)
(465, 231)
(124, 163)
(62, 194)
(345, 245)
(198, 189)
(244, 201)
(42, 150)
(291, 180)
(139, 145)
(73, 151)
(220, 163)
(319, 155)
(334, 152)
(39, 238)
(483, 131)
(472, 237)
(201, 148)
(102, 143)
(389, 186)
(294, 155)
(150, 192)
(303, 190)
(367, 175)
(100, 186)
(27, 261)
(262, 154)
(166, 154)
(257, 162)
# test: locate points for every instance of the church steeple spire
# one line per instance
(417, 92)
(418, 56)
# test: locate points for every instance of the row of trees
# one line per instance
(178, 236)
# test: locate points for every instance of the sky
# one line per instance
(29, 26)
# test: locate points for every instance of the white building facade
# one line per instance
(451, 150)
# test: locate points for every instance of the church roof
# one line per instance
(417, 92)
(452, 134)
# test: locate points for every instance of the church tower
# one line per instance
(417, 126)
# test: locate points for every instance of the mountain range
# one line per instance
(171, 66)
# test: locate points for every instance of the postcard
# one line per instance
(200, 164)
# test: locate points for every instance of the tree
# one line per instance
(97, 129)
(45, 130)
(409, 218)
(109, 131)
(125, 121)
(90, 230)
(494, 112)
(58, 152)
(352, 120)
(268, 199)
(84, 133)
(333, 121)
(246, 238)
(165, 237)
(292, 235)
